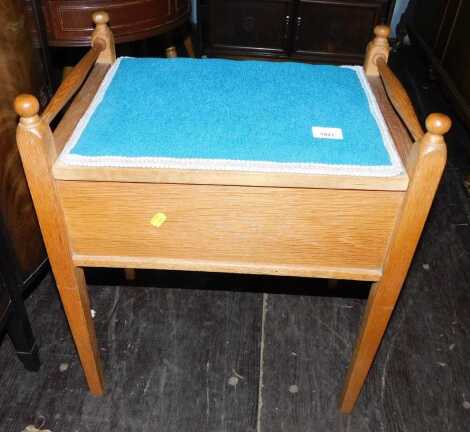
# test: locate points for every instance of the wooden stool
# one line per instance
(370, 226)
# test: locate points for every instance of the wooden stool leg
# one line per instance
(130, 274)
(38, 152)
(374, 323)
(428, 158)
(188, 44)
(77, 308)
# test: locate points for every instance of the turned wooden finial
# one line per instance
(377, 48)
(438, 124)
(100, 17)
(103, 35)
(26, 105)
(171, 52)
(382, 32)
(32, 129)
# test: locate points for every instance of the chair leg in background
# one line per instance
(21, 335)
(188, 44)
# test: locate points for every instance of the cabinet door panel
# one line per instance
(457, 57)
(332, 28)
(250, 25)
(429, 18)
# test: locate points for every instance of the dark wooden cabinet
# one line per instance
(429, 23)
(330, 31)
(255, 26)
(336, 30)
(440, 28)
(68, 22)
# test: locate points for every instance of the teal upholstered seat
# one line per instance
(240, 115)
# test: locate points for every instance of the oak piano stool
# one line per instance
(185, 211)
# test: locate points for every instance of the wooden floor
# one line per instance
(212, 352)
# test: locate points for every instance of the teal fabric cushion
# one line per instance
(222, 114)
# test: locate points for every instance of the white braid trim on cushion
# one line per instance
(396, 169)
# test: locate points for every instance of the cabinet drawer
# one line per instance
(291, 231)
(69, 22)
(250, 24)
(336, 27)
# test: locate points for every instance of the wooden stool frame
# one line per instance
(365, 228)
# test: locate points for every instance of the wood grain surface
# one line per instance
(72, 82)
(77, 108)
(400, 135)
(400, 100)
(377, 48)
(102, 33)
(68, 22)
(156, 339)
(297, 230)
(431, 156)
(37, 151)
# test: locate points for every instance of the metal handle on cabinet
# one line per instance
(299, 24)
(286, 28)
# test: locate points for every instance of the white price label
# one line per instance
(327, 133)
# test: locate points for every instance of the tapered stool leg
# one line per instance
(77, 308)
(37, 149)
(374, 323)
(429, 158)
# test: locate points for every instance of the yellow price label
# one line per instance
(158, 219)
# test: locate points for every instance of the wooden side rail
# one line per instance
(400, 99)
(72, 82)
(376, 65)
(102, 51)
